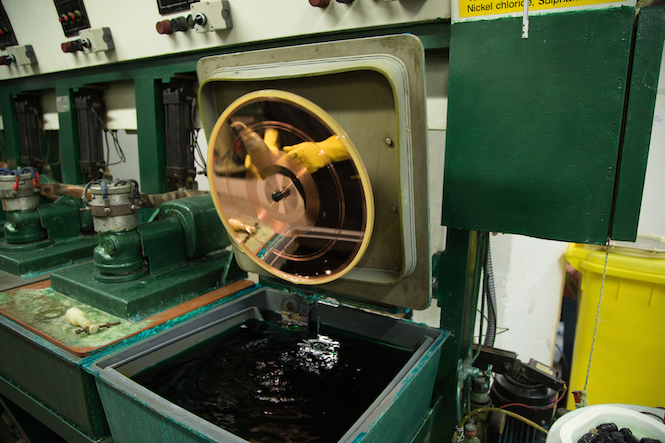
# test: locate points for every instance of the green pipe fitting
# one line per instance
(23, 227)
(119, 257)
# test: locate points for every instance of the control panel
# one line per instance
(7, 36)
(168, 6)
(72, 16)
(126, 30)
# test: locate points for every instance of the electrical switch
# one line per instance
(211, 15)
(92, 40)
(19, 55)
(319, 3)
(7, 60)
(75, 45)
(198, 19)
(179, 24)
(72, 16)
(164, 27)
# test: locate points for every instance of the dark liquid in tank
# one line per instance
(265, 383)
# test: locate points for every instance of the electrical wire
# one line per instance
(538, 408)
(48, 152)
(195, 148)
(116, 143)
(500, 329)
(502, 411)
(490, 294)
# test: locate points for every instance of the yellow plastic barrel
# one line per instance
(629, 353)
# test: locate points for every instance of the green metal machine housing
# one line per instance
(179, 255)
(41, 237)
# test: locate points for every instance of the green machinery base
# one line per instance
(37, 261)
(147, 295)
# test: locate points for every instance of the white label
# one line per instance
(62, 103)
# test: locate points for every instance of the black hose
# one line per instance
(490, 294)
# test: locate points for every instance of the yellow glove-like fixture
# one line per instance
(271, 139)
(315, 156)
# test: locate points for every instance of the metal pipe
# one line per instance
(53, 191)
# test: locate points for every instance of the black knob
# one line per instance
(7, 60)
(200, 19)
(279, 195)
(179, 24)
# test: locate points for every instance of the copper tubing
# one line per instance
(154, 201)
(53, 191)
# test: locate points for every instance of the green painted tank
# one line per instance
(137, 414)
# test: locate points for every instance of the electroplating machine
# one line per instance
(219, 215)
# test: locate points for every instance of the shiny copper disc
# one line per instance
(290, 187)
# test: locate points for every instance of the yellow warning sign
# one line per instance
(493, 8)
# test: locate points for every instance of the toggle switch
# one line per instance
(210, 16)
(198, 19)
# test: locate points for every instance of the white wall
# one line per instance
(652, 215)
(529, 277)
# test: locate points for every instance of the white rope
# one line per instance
(595, 328)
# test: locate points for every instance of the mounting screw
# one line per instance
(107, 210)
(389, 141)
(396, 268)
(393, 208)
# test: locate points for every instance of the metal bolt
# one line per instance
(36, 190)
(107, 210)
(393, 208)
(389, 141)
(396, 268)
